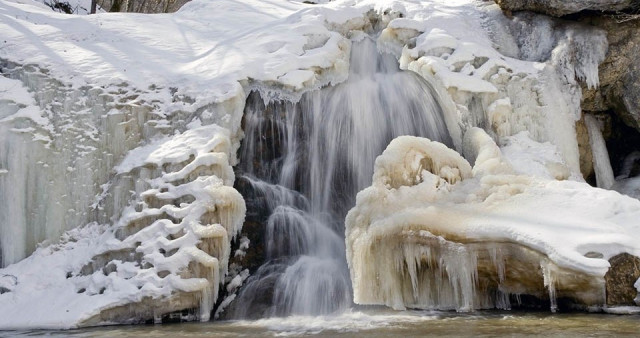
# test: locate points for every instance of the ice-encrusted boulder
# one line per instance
(435, 232)
(563, 7)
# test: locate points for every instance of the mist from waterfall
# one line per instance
(308, 160)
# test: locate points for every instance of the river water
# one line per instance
(374, 322)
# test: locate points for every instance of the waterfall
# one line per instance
(307, 160)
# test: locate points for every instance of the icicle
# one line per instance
(601, 162)
(550, 284)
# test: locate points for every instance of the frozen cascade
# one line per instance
(309, 159)
(57, 148)
(601, 162)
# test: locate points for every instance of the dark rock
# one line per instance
(565, 7)
(619, 280)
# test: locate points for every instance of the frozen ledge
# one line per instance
(168, 251)
(434, 232)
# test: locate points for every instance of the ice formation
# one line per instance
(446, 235)
(167, 252)
(628, 182)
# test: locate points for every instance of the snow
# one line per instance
(175, 149)
(238, 41)
(410, 202)
(529, 157)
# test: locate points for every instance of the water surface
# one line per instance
(383, 323)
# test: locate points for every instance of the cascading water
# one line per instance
(307, 161)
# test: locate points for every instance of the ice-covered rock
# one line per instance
(543, 58)
(619, 73)
(167, 252)
(434, 232)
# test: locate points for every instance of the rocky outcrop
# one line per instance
(617, 97)
(619, 73)
(624, 272)
(563, 7)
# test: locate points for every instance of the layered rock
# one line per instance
(561, 7)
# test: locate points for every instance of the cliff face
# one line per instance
(619, 73)
(563, 7)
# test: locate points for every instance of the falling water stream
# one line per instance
(308, 160)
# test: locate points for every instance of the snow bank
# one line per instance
(471, 241)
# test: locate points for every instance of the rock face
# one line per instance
(624, 271)
(563, 7)
(619, 73)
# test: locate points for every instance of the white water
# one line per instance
(308, 160)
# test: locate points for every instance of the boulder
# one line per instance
(620, 279)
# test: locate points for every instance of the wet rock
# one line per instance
(586, 156)
(565, 7)
(620, 279)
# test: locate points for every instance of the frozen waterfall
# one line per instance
(308, 160)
